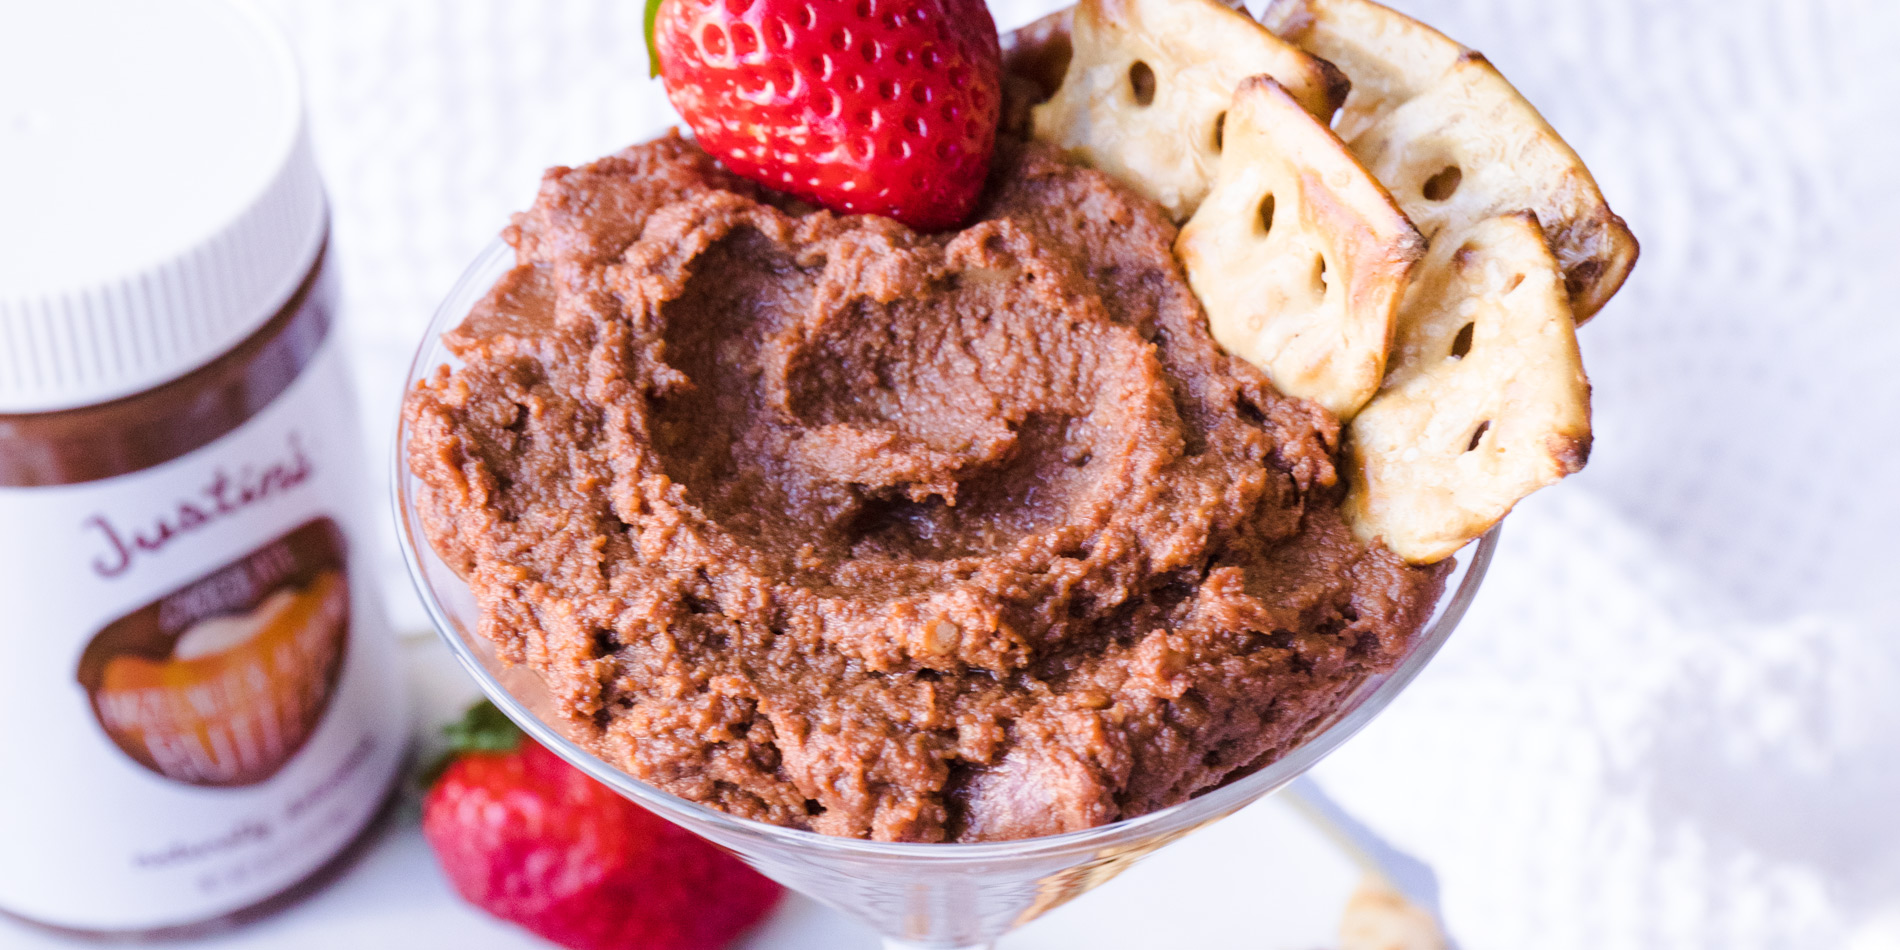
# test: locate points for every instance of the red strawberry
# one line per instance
(533, 840)
(864, 106)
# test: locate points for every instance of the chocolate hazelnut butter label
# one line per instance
(197, 709)
(221, 681)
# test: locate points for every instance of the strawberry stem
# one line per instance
(653, 43)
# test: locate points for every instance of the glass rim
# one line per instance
(1369, 698)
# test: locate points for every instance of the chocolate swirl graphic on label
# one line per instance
(221, 681)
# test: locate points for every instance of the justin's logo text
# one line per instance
(226, 494)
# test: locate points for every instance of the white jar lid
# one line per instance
(158, 197)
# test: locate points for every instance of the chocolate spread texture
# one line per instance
(834, 525)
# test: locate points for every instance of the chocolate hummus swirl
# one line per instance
(834, 525)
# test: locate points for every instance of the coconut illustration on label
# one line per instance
(220, 682)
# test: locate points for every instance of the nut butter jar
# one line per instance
(200, 707)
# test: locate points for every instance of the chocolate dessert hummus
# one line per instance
(834, 525)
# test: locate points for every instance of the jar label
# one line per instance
(199, 707)
(219, 682)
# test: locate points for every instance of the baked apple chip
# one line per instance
(1299, 257)
(1456, 143)
(1148, 84)
(1040, 51)
(1485, 401)
(1471, 147)
(1389, 57)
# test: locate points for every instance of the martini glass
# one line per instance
(914, 895)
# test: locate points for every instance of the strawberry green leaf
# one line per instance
(482, 729)
(653, 44)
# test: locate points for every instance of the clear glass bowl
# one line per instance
(921, 895)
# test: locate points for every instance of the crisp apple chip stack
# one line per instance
(1371, 215)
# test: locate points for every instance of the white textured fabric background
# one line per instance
(1673, 718)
